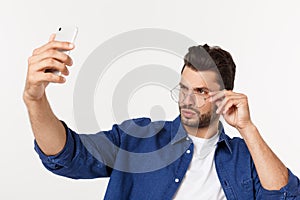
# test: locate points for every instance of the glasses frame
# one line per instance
(194, 94)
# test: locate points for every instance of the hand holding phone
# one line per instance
(48, 58)
(65, 34)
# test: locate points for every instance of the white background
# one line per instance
(262, 36)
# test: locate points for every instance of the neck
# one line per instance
(205, 132)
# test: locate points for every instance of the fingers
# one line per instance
(37, 73)
(63, 46)
(47, 78)
(49, 58)
(52, 37)
(220, 95)
(227, 100)
(229, 104)
(51, 64)
(57, 55)
(53, 78)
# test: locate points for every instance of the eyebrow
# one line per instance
(195, 89)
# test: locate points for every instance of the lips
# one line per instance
(188, 113)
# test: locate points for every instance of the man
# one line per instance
(207, 163)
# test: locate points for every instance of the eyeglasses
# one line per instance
(198, 95)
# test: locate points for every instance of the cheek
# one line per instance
(209, 107)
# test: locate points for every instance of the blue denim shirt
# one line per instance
(148, 160)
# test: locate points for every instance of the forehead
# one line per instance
(196, 79)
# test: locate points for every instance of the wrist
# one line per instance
(30, 101)
(248, 128)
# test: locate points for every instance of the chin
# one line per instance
(190, 122)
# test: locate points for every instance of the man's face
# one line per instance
(193, 113)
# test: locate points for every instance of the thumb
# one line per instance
(52, 37)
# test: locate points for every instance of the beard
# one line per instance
(200, 120)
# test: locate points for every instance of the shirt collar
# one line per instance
(223, 137)
(178, 133)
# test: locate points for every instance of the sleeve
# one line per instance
(291, 191)
(84, 156)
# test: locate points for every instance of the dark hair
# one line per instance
(202, 58)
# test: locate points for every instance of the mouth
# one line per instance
(188, 113)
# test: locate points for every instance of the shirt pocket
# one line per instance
(247, 185)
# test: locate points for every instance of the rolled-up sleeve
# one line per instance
(288, 192)
(74, 161)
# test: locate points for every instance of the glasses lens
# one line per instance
(179, 95)
(175, 92)
(200, 100)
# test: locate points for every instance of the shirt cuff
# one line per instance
(292, 187)
(63, 158)
(289, 191)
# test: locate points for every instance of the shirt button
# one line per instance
(188, 151)
(176, 180)
(187, 138)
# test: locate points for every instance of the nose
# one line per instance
(189, 100)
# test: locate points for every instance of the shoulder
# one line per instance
(237, 141)
(142, 121)
(142, 125)
(238, 144)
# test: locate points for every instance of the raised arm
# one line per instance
(272, 173)
(48, 131)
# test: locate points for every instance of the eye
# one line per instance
(202, 91)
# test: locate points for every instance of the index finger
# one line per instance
(52, 37)
(64, 46)
(216, 95)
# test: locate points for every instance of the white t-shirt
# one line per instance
(201, 180)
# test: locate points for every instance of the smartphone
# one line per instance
(66, 34)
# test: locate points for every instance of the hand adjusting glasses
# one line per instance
(197, 95)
